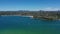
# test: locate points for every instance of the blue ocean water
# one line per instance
(28, 25)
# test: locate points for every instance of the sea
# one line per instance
(28, 25)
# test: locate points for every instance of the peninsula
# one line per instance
(50, 15)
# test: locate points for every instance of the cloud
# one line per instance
(50, 9)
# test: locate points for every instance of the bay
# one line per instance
(28, 25)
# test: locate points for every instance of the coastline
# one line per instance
(33, 17)
(18, 15)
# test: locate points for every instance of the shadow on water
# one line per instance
(47, 21)
(0, 16)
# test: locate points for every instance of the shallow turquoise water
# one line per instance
(26, 25)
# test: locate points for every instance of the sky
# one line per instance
(6, 5)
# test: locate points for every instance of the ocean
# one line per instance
(28, 25)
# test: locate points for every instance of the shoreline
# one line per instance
(17, 15)
(33, 17)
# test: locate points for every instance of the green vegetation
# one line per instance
(50, 15)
